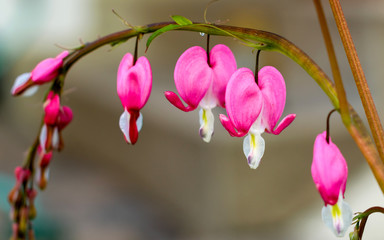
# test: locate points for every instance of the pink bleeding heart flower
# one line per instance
(253, 108)
(329, 172)
(44, 71)
(134, 84)
(56, 117)
(203, 83)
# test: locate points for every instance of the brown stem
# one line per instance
(360, 80)
(333, 62)
(364, 220)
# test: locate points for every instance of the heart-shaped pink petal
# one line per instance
(193, 75)
(243, 100)
(223, 64)
(134, 82)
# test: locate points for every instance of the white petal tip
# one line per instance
(124, 124)
(338, 217)
(19, 82)
(253, 147)
(206, 120)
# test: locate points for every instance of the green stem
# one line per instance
(269, 42)
(334, 65)
(365, 216)
(360, 80)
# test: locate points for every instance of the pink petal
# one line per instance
(283, 124)
(243, 100)
(134, 83)
(192, 75)
(175, 100)
(227, 124)
(223, 64)
(47, 69)
(65, 117)
(272, 86)
(329, 169)
(51, 108)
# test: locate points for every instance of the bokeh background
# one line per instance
(172, 185)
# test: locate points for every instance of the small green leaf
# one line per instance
(118, 42)
(182, 21)
(161, 31)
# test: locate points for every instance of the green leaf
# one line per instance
(118, 42)
(161, 31)
(182, 21)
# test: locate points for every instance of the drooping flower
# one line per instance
(56, 117)
(329, 172)
(44, 71)
(134, 84)
(21, 175)
(202, 82)
(42, 170)
(254, 108)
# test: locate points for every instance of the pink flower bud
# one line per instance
(44, 71)
(329, 169)
(22, 174)
(48, 69)
(134, 84)
(64, 118)
(51, 108)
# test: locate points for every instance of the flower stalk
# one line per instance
(360, 80)
(344, 111)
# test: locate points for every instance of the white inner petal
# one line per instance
(124, 125)
(20, 80)
(139, 122)
(253, 147)
(30, 91)
(209, 100)
(206, 120)
(258, 126)
(55, 138)
(43, 137)
(337, 217)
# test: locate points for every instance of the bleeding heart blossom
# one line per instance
(44, 71)
(134, 84)
(254, 108)
(203, 83)
(329, 172)
(56, 117)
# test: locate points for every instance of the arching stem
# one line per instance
(257, 67)
(328, 125)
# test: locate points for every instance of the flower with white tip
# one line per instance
(253, 108)
(45, 71)
(329, 172)
(202, 82)
(134, 84)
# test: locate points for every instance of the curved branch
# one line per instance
(269, 42)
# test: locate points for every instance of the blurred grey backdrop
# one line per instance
(172, 185)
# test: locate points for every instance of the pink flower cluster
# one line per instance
(254, 105)
(56, 118)
(206, 81)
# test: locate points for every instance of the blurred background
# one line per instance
(171, 184)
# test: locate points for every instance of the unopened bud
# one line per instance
(42, 176)
(354, 235)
